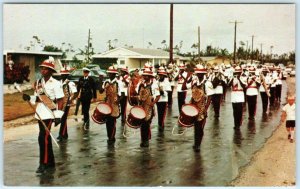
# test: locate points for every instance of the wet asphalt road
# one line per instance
(86, 160)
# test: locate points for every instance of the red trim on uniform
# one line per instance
(238, 90)
(252, 87)
(242, 115)
(65, 125)
(114, 129)
(164, 116)
(46, 143)
(255, 106)
(149, 135)
(124, 113)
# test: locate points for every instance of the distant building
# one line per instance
(134, 57)
(215, 60)
(33, 60)
(69, 62)
(211, 61)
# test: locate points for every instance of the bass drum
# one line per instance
(188, 115)
(132, 95)
(136, 117)
(101, 112)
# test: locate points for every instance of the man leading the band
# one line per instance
(48, 94)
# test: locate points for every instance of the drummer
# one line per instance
(164, 87)
(202, 102)
(112, 89)
(149, 94)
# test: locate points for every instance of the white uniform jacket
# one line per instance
(53, 89)
(165, 85)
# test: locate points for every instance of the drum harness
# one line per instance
(145, 95)
(197, 96)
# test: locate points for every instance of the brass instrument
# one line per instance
(199, 99)
(146, 100)
(112, 98)
(67, 94)
(265, 85)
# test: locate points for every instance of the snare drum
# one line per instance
(136, 117)
(101, 112)
(188, 115)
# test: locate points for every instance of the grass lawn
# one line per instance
(16, 107)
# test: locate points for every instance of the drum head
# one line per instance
(138, 112)
(104, 108)
(190, 110)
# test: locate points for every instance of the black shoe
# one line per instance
(161, 129)
(196, 148)
(289, 136)
(251, 118)
(111, 142)
(236, 128)
(144, 144)
(86, 126)
(41, 169)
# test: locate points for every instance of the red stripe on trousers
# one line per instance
(46, 143)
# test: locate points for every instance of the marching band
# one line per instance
(142, 91)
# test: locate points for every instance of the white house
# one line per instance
(133, 57)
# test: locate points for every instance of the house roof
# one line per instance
(134, 53)
(208, 58)
(32, 52)
(70, 57)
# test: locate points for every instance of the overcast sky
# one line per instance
(138, 24)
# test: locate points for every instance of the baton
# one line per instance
(43, 123)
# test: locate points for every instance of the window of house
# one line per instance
(122, 62)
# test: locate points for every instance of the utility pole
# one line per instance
(171, 33)
(88, 48)
(234, 45)
(261, 55)
(252, 49)
(271, 47)
(199, 44)
(247, 52)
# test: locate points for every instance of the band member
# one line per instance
(70, 93)
(48, 94)
(124, 81)
(237, 97)
(202, 102)
(148, 95)
(274, 77)
(112, 88)
(87, 91)
(218, 81)
(164, 87)
(181, 90)
(251, 93)
(171, 75)
(265, 82)
(279, 85)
